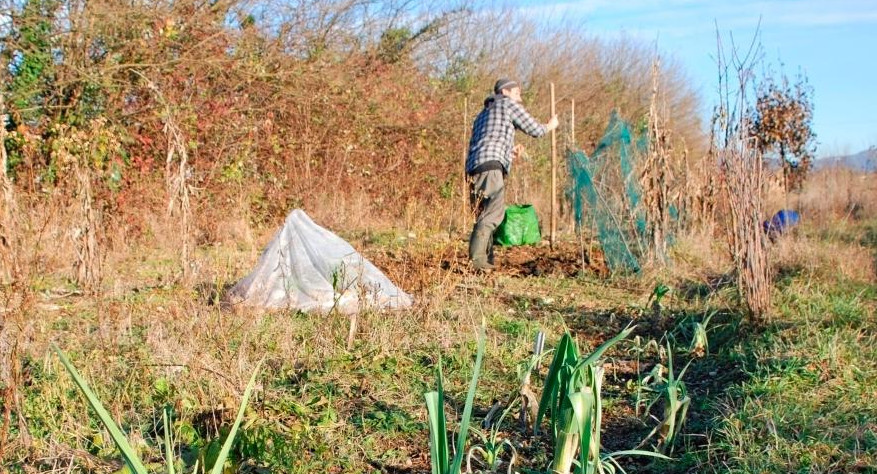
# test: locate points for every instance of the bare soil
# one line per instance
(417, 270)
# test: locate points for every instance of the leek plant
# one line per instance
(658, 293)
(638, 350)
(676, 401)
(699, 342)
(129, 455)
(492, 446)
(440, 457)
(572, 398)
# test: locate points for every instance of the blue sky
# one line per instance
(834, 42)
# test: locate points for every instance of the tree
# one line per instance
(27, 55)
(782, 123)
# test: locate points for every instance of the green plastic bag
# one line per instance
(519, 227)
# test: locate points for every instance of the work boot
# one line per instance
(478, 245)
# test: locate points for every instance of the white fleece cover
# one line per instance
(308, 268)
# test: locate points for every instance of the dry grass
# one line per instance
(838, 193)
(834, 252)
(145, 328)
(831, 242)
(700, 252)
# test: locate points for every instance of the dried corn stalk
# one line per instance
(177, 177)
(655, 177)
(177, 174)
(87, 265)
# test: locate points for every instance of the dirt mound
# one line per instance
(416, 269)
(567, 259)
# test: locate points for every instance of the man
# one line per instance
(489, 161)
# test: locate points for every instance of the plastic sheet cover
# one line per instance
(309, 268)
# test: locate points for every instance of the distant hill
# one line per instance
(862, 161)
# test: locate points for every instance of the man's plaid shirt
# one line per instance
(493, 134)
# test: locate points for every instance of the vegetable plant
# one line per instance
(699, 342)
(572, 399)
(492, 446)
(676, 401)
(132, 460)
(440, 458)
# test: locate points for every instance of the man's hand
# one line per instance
(552, 124)
(518, 152)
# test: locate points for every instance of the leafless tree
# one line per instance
(744, 176)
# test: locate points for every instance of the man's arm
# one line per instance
(525, 122)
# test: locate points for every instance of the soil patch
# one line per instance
(566, 259)
(417, 269)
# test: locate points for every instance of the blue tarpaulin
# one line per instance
(781, 222)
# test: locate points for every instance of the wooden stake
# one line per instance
(351, 332)
(572, 123)
(553, 234)
(464, 188)
(572, 147)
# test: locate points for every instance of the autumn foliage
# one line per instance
(212, 119)
(782, 123)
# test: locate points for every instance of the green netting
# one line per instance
(519, 227)
(606, 195)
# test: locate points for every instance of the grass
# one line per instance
(788, 397)
(809, 379)
(216, 462)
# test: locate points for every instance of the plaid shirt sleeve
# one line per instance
(525, 122)
(493, 133)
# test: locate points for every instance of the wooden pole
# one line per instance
(553, 235)
(572, 147)
(464, 188)
(572, 123)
